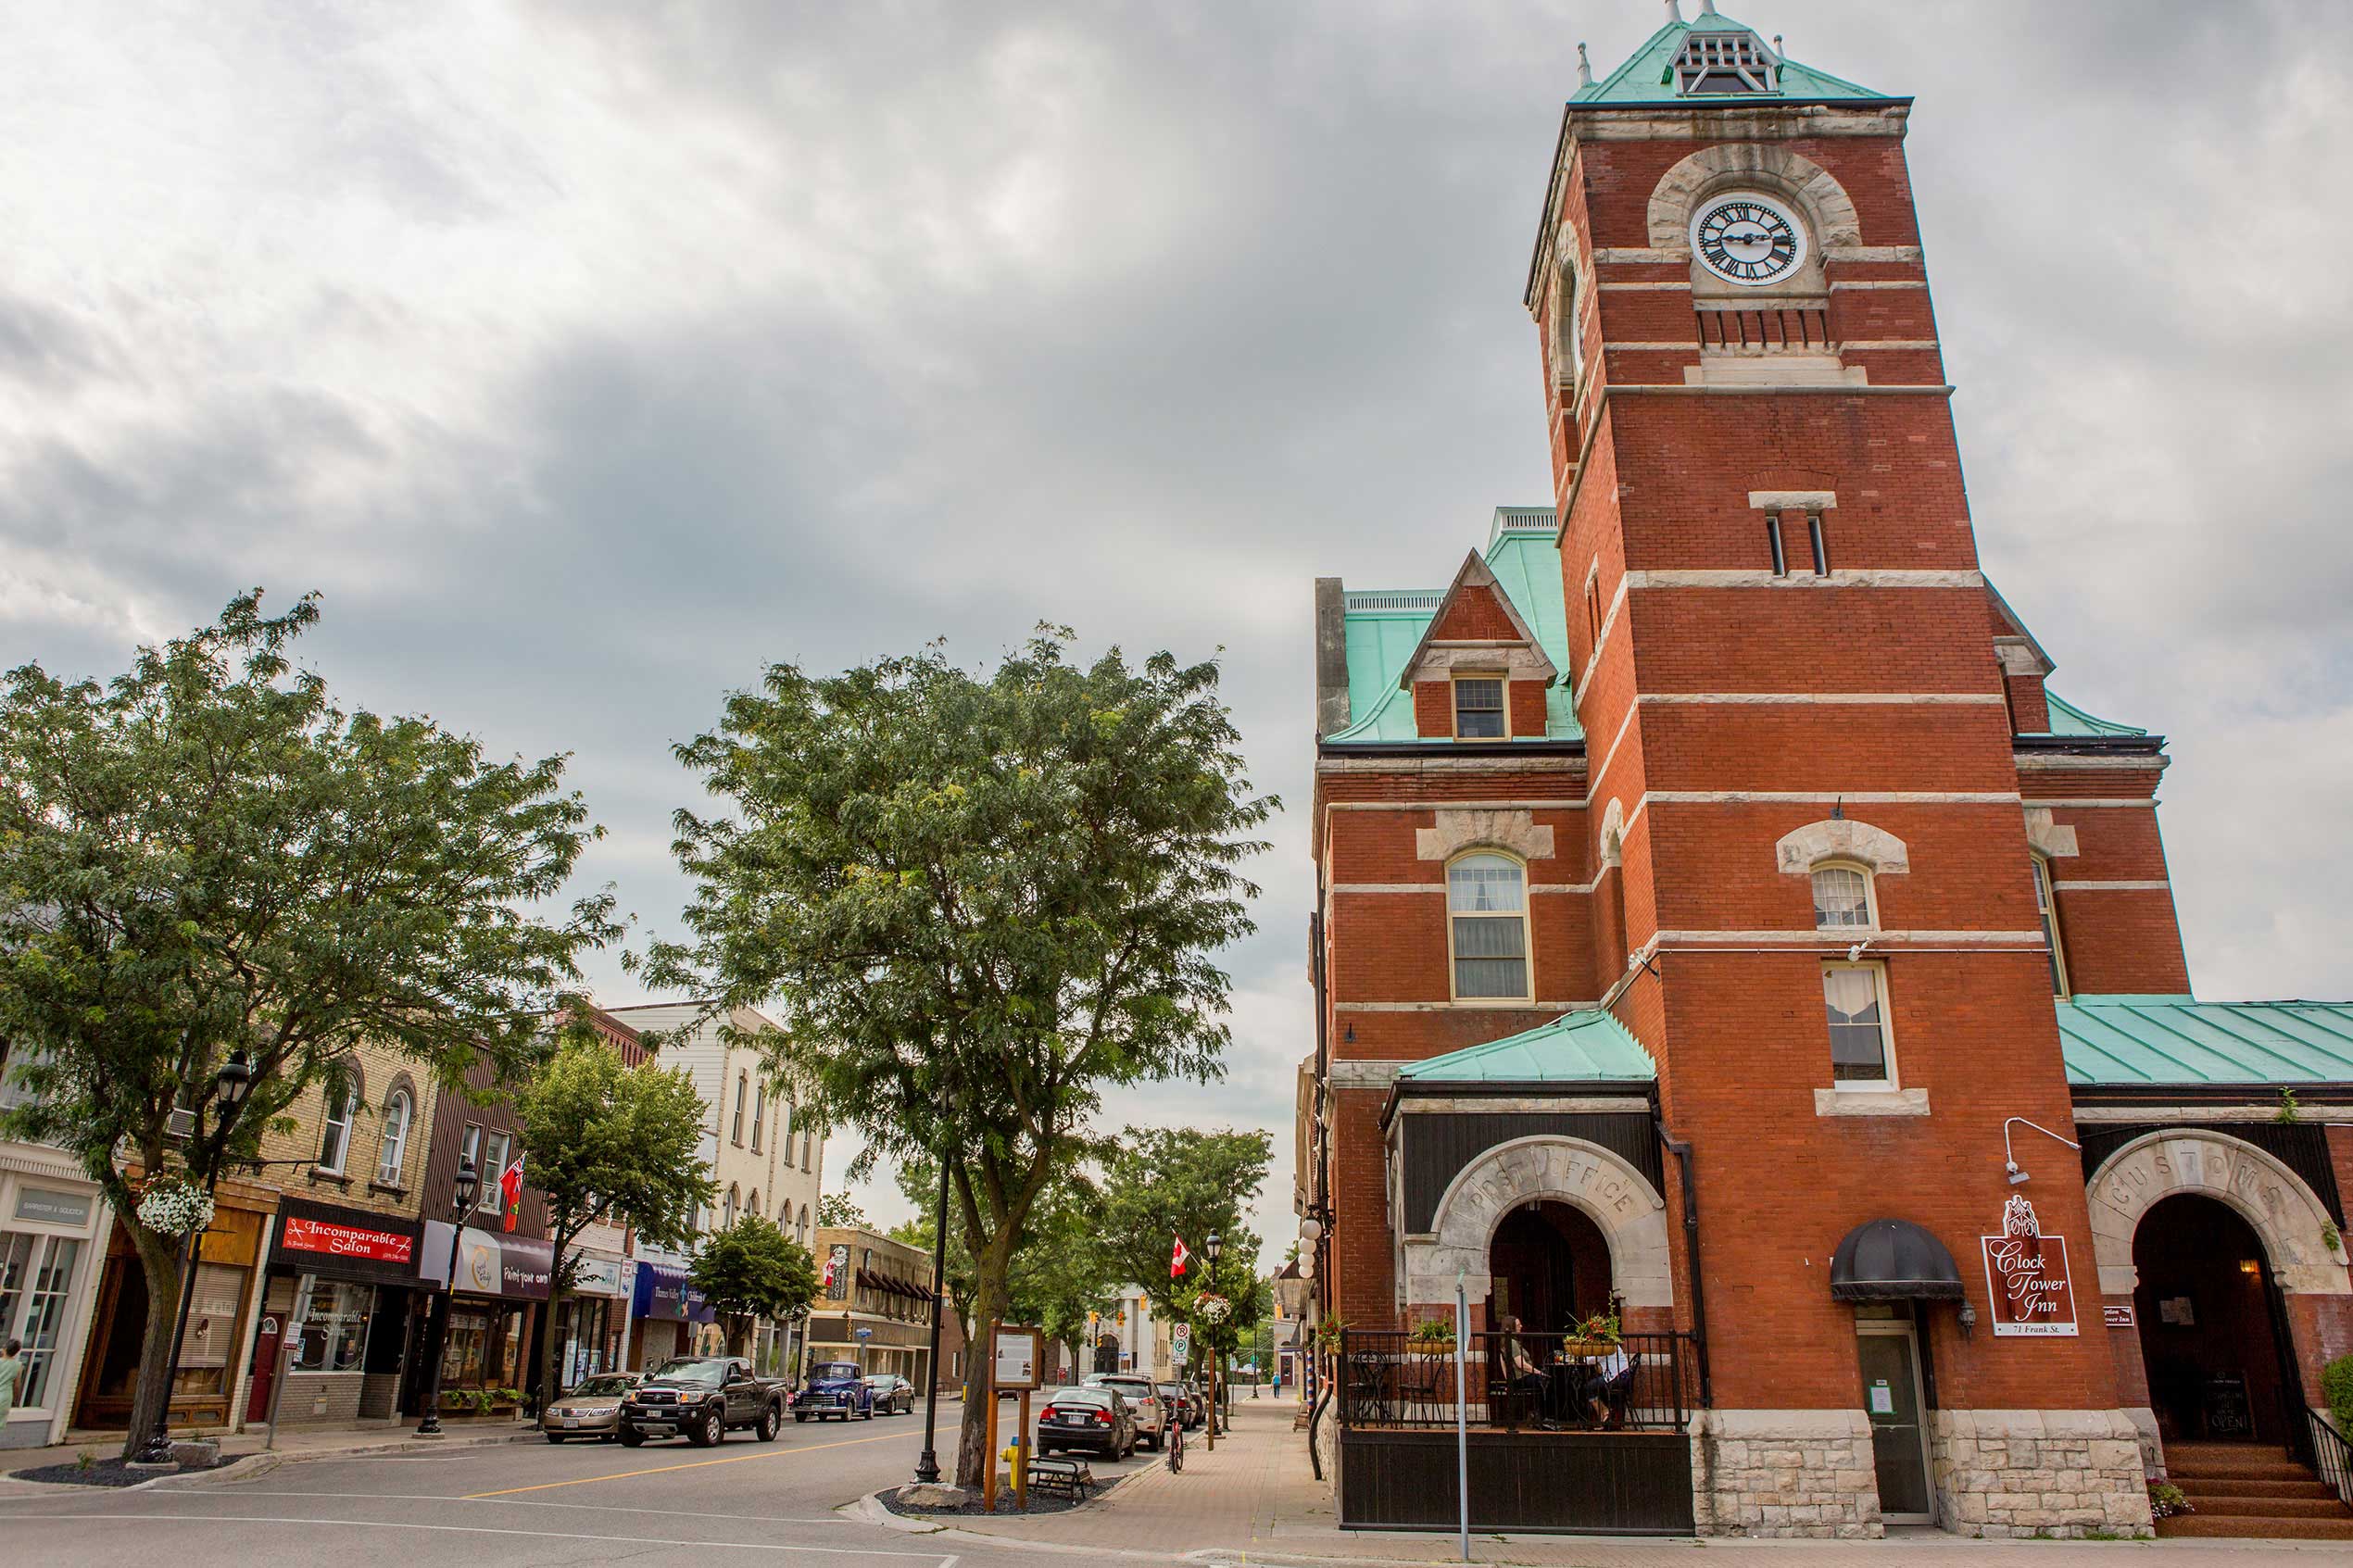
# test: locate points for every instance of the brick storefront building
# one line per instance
(1720, 924)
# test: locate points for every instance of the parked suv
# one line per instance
(702, 1399)
(1143, 1397)
(1092, 1420)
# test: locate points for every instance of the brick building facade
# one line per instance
(1720, 922)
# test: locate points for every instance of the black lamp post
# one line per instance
(231, 1086)
(1217, 1244)
(927, 1462)
(462, 1202)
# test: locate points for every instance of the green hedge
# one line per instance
(2336, 1387)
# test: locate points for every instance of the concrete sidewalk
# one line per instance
(1256, 1500)
(294, 1443)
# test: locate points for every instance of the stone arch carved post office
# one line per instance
(1617, 1198)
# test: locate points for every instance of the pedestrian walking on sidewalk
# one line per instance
(11, 1378)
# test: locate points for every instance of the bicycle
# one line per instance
(1175, 1441)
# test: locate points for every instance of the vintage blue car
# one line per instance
(836, 1390)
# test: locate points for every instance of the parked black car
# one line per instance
(702, 1399)
(893, 1395)
(1095, 1421)
(1184, 1402)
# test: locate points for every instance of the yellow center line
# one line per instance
(691, 1464)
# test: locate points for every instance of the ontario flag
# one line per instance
(1178, 1259)
(510, 1190)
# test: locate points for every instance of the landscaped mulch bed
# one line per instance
(1039, 1503)
(113, 1472)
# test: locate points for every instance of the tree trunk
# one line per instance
(550, 1385)
(972, 1445)
(159, 1263)
(739, 1334)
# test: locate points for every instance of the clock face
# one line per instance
(1746, 238)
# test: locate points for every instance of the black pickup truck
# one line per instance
(702, 1399)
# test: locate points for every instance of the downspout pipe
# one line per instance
(1315, 1148)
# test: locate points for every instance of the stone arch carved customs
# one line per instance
(1614, 1195)
(1671, 200)
(2264, 1193)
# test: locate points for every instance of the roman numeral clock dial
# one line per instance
(1746, 238)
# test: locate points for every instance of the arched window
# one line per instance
(334, 1137)
(752, 1208)
(1487, 910)
(1843, 897)
(2046, 905)
(743, 1088)
(800, 1231)
(393, 1154)
(759, 1121)
(728, 1214)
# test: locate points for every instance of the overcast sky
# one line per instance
(587, 358)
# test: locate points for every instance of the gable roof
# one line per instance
(1475, 574)
(1584, 1047)
(2122, 1041)
(1647, 77)
(1386, 630)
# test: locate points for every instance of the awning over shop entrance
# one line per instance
(1892, 1260)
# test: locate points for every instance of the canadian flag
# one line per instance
(510, 1188)
(1178, 1259)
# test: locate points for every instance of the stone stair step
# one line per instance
(2249, 1527)
(2230, 1506)
(2199, 1487)
(2248, 1469)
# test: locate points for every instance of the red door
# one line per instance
(265, 1368)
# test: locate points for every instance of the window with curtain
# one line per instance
(1842, 898)
(393, 1157)
(1855, 998)
(335, 1135)
(1487, 905)
(2046, 905)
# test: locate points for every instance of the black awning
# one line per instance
(1892, 1260)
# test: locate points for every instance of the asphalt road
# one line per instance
(517, 1504)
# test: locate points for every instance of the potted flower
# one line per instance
(1433, 1337)
(1595, 1336)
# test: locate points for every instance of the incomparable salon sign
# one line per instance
(2026, 1276)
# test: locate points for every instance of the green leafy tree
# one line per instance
(979, 899)
(1162, 1182)
(203, 856)
(1247, 1294)
(607, 1141)
(1058, 1274)
(837, 1209)
(752, 1271)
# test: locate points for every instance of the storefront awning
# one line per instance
(1892, 1260)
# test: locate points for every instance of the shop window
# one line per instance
(1478, 707)
(205, 1346)
(334, 1326)
(1843, 898)
(36, 1275)
(1487, 907)
(335, 1137)
(2046, 905)
(393, 1157)
(743, 1090)
(1854, 998)
(759, 1121)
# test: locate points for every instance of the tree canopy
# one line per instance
(837, 1210)
(1162, 1182)
(978, 900)
(206, 855)
(610, 1142)
(751, 1270)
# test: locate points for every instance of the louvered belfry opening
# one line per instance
(1725, 62)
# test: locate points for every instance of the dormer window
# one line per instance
(1725, 62)
(1478, 707)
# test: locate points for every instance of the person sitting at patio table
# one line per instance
(1606, 1380)
(1522, 1375)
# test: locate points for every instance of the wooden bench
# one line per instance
(1068, 1477)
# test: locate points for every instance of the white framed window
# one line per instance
(727, 1212)
(2046, 905)
(808, 1137)
(36, 1280)
(392, 1155)
(1843, 897)
(1862, 1044)
(759, 1119)
(1486, 927)
(498, 1153)
(743, 1089)
(469, 1147)
(334, 1134)
(1478, 707)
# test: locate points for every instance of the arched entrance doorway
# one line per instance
(1549, 1267)
(2211, 1324)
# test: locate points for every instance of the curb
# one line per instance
(257, 1463)
(871, 1510)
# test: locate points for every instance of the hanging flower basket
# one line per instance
(175, 1208)
(1212, 1309)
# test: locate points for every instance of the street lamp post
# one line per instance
(927, 1462)
(231, 1084)
(462, 1202)
(1217, 1244)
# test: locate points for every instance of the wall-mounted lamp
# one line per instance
(1969, 1319)
(1350, 1035)
(2250, 1265)
(2009, 1161)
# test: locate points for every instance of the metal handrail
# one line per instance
(1385, 1378)
(2332, 1454)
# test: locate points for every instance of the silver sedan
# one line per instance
(592, 1409)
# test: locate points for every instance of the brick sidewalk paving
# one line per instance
(1256, 1500)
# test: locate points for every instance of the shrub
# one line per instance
(2336, 1387)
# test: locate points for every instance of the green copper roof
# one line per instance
(2068, 719)
(2115, 1041)
(1584, 1047)
(1648, 77)
(1384, 627)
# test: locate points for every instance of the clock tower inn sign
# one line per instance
(1706, 876)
